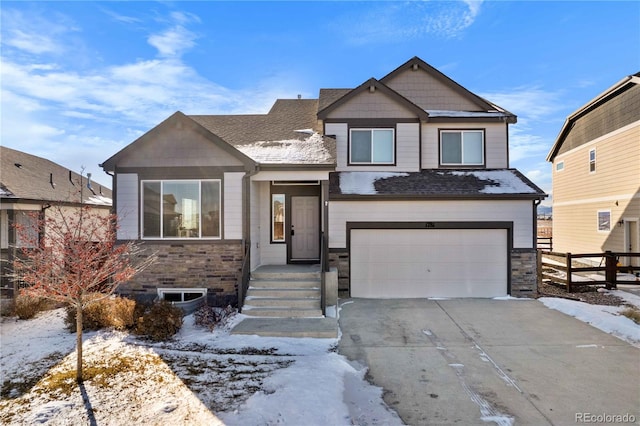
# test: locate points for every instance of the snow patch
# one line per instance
(292, 151)
(506, 181)
(363, 183)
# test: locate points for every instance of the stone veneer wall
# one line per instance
(524, 274)
(524, 281)
(212, 265)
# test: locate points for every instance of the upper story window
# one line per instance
(462, 147)
(592, 160)
(371, 146)
(559, 166)
(181, 209)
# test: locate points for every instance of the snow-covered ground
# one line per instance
(199, 378)
(203, 377)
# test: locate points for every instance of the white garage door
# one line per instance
(403, 263)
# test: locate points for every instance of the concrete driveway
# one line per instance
(472, 361)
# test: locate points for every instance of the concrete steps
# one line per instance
(284, 292)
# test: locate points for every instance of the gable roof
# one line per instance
(577, 121)
(373, 84)
(180, 119)
(487, 111)
(435, 184)
(26, 177)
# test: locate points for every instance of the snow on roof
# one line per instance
(362, 183)
(504, 181)
(99, 200)
(308, 151)
(465, 114)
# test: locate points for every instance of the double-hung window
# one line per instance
(592, 161)
(461, 147)
(181, 209)
(371, 146)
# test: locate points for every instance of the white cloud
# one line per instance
(399, 21)
(34, 34)
(173, 41)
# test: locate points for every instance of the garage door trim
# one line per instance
(508, 226)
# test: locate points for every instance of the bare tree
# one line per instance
(71, 255)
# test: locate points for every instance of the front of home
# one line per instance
(403, 183)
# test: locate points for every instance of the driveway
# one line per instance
(469, 361)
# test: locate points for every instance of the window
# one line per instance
(181, 294)
(28, 236)
(604, 220)
(181, 209)
(592, 160)
(462, 147)
(559, 166)
(371, 146)
(277, 217)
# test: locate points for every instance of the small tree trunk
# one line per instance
(79, 342)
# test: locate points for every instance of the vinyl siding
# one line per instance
(255, 210)
(579, 194)
(519, 212)
(4, 230)
(407, 148)
(127, 206)
(496, 144)
(232, 206)
(427, 92)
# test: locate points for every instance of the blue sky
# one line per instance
(81, 80)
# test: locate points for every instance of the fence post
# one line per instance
(611, 270)
(569, 273)
(539, 267)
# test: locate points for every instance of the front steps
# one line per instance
(287, 291)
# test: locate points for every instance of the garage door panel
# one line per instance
(400, 263)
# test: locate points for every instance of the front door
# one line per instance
(305, 228)
(632, 241)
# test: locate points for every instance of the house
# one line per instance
(405, 178)
(596, 175)
(29, 185)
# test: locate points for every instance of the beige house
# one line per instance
(596, 175)
(403, 183)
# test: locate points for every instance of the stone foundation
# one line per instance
(340, 260)
(524, 277)
(211, 265)
(524, 282)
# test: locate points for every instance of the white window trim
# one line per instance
(560, 166)
(182, 291)
(162, 181)
(598, 221)
(595, 160)
(481, 131)
(372, 129)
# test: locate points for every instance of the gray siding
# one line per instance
(371, 105)
(232, 205)
(127, 205)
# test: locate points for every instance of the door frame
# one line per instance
(628, 238)
(296, 190)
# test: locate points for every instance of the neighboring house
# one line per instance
(596, 175)
(31, 185)
(407, 177)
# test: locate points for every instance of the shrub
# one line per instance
(633, 314)
(114, 311)
(26, 306)
(160, 321)
(211, 317)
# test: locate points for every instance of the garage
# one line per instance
(406, 263)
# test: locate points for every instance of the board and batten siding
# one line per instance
(127, 205)
(407, 137)
(255, 226)
(371, 105)
(232, 205)
(496, 150)
(520, 212)
(579, 194)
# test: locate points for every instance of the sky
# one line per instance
(81, 80)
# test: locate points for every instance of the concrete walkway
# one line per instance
(473, 361)
(289, 327)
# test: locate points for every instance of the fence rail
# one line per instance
(608, 269)
(545, 243)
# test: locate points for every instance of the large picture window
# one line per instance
(181, 209)
(371, 146)
(462, 147)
